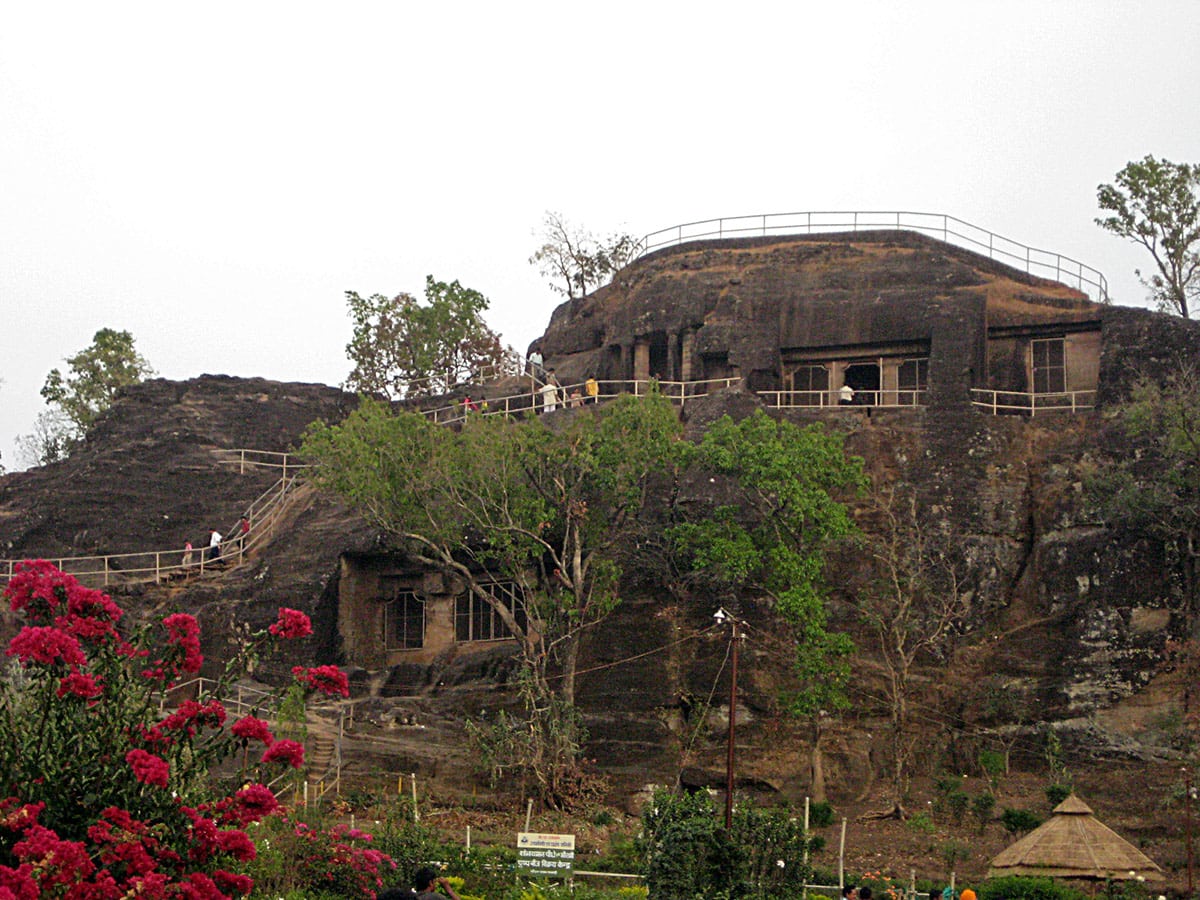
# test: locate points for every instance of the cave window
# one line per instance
(476, 620)
(1049, 366)
(864, 378)
(404, 621)
(912, 378)
(809, 385)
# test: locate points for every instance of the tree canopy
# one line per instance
(575, 262)
(403, 348)
(94, 377)
(1155, 489)
(502, 502)
(790, 484)
(1156, 203)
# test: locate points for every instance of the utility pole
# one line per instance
(735, 637)
(1187, 825)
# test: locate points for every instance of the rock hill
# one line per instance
(1068, 616)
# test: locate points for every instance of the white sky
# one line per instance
(213, 177)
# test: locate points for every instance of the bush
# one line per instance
(921, 822)
(111, 790)
(1019, 887)
(1018, 821)
(820, 815)
(982, 806)
(687, 854)
(958, 802)
(1057, 793)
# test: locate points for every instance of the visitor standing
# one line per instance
(591, 389)
(549, 394)
(214, 544)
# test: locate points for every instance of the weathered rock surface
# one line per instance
(1066, 612)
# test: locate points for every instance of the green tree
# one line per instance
(772, 540)
(575, 262)
(94, 377)
(503, 502)
(402, 348)
(1156, 203)
(1152, 488)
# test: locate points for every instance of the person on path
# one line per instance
(214, 544)
(535, 363)
(846, 395)
(549, 392)
(592, 390)
(188, 554)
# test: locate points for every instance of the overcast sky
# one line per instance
(212, 177)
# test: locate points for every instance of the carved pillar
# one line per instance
(641, 360)
(687, 367)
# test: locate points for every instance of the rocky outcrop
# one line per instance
(1067, 613)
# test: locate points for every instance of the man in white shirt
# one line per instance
(214, 544)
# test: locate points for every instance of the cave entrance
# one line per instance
(659, 357)
(864, 378)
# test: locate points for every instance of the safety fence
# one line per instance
(825, 399)
(265, 512)
(951, 230)
(1000, 403)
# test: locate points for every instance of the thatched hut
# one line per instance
(1075, 844)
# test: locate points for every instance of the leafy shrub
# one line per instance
(921, 822)
(1019, 887)
(954, 852)
(958, 803)
(820, 815)
(111, 782)
(982, 806)
(687, 854)
(1057, 793)
(1018, 821)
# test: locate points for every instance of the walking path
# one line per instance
(265, 512)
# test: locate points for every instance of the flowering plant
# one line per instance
(104, 789)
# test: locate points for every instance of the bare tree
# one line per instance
(575, 262)
(915, 603)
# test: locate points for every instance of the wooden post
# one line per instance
(528, 813)
(416, 812)
(842, 858)
(804, 890)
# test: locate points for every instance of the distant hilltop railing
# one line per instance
(1044, 263)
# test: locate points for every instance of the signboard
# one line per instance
(545, 855)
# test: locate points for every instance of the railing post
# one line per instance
(242, 461)
(106, 571)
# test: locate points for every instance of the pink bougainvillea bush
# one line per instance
(104, 785)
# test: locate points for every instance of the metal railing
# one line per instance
(158, 565)
(573, 395)
(1030, 404)
(825, 399)
(952, 230)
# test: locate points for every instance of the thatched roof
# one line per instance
(1074, 844)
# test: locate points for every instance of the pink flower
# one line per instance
(191, 716)
(148, 768)
(38, 589)
(291, 624)
(327, 679)
(80, 684)
(253, 803)
(252, 729)
(237, 844)
(183, 631)
(232, 883)
(46, 646)
(285, 751)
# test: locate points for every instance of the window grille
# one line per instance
(1049, 366)
(476, 620)
(404, 621)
